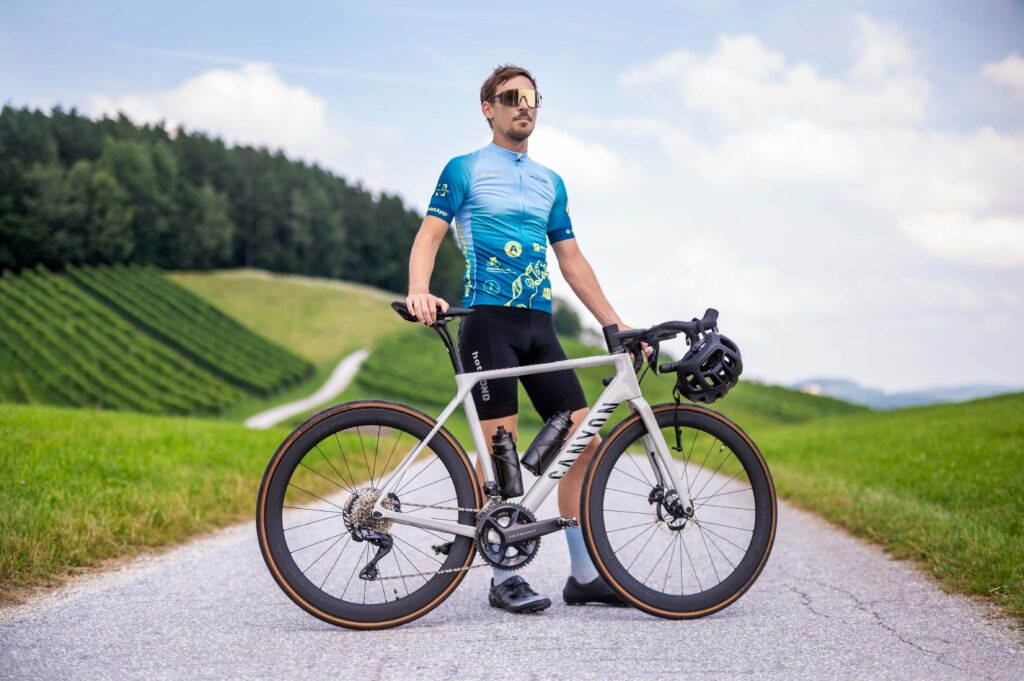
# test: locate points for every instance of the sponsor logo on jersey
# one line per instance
(537, 248)
(513, 249)
(435, 209)
(491, 287)
(539, 178)
(442, 189)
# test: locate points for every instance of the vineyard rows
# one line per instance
(129, 338)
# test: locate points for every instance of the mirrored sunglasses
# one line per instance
(514, 97)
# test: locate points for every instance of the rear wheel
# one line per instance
(679, 553)
(313, 515)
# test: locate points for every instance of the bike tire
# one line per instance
(601, 492)
(302, 450)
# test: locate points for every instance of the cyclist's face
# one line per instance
(514, 122)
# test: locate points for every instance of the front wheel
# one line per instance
(679, 553)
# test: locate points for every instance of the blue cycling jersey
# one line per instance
(504, 208)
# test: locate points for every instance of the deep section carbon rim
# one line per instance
(684, 552)
(321, 492)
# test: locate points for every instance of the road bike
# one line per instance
(370, 513)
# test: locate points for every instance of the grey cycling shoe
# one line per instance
(596, 591)
(515, 595)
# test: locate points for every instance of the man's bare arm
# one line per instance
(420, 301)
(581, 278)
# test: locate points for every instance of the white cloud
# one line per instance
(997, 240)
(1008, 72)
(250, 105)
(742, 81)
(859, 135)
(583, 165)
(702, 273)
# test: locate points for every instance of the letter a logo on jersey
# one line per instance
(513, 249)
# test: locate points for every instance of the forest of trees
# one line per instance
(79, 191)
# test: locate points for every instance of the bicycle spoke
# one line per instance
(735, 491)
(321, 555)
(418, 474)
(376, 448)
(291, 484)
(427, 485)
(627, 527)
(644, 496)
(710, 531)
(715, 472)
(642, 548)
(354, 568)
(668, 568)
(653, 526)
(660, 558)
(321, 541)
(294, 527)
(335, 563)
(353, 485)
(710, 557)
(303, 464)
(415, 568)
(731, 527)
(344, 458)
(713, 543)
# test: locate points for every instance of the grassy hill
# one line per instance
(320, 319)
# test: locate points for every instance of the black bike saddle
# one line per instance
(453, 312)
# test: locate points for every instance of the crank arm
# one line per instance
(520, 533)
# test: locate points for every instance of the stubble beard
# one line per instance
(514, 133)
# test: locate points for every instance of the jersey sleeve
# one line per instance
(559, 223)
(451, 190)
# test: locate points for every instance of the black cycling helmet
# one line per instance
(709, 368)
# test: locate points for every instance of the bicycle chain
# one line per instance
(477, 511)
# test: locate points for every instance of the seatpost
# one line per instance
(453, 354)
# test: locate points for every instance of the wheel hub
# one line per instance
(669, 509)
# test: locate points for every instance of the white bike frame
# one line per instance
(623, 387)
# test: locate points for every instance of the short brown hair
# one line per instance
(501, 75)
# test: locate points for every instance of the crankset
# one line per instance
(508, 535)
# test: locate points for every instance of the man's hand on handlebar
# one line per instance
(423, 305)
(643, 346)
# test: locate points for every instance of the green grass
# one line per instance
(319, 319)
(78, 487)
(943, 485)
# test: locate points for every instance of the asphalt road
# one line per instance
(826, 606)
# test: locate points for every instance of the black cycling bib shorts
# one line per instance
(496, 337)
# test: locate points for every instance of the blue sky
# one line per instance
(841, 181)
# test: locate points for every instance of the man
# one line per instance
(505, 208)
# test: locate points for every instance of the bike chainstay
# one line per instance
(441, 571)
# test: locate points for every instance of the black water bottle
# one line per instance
(506, 464)
(547, 442)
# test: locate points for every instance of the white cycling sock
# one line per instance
(501, 575)
(581, 567)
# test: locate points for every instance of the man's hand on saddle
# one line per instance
(423, 305)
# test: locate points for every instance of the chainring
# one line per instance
(510, 556)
